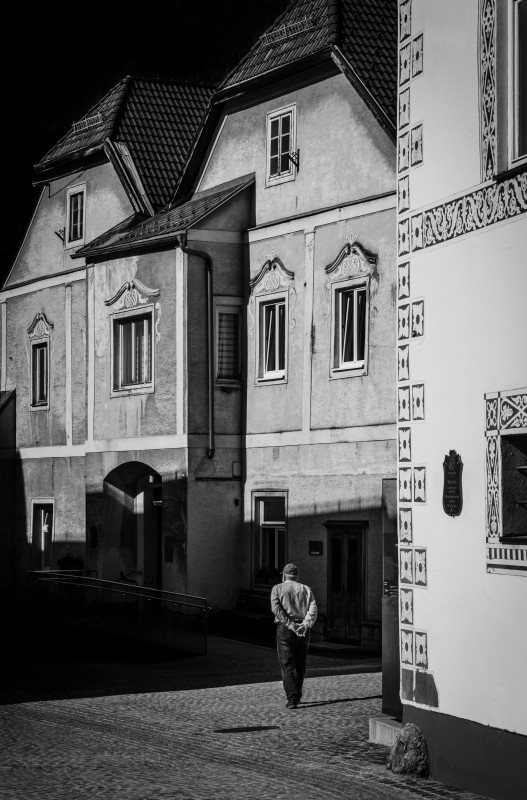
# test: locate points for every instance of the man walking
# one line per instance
(295, 612)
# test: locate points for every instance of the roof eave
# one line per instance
(276, 74)
(55, 168)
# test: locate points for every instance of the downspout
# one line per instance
(182, 243)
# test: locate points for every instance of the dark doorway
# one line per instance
(130, 540)
(346, 571)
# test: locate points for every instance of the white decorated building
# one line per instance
(462, 386)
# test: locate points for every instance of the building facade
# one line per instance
(462, 378)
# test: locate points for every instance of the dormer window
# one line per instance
(75, 215)
(282, 158)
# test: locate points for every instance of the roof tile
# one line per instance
(365, 30)
(149, 116)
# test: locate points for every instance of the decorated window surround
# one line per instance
(505, 414)
(273, 284)
(131, 301)
(353, 268)
(39, 332)
(282, 176)
(70, 239)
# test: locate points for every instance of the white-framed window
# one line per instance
(282, 156)
(228, 340)
(40, 374)
(75, 215)
(272, 338)
(269, 544)
(517, 81)
(349, 333)
(133, 351)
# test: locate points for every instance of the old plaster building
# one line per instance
(210, 389)
(462, 386)
(286, 261)
(59, 447)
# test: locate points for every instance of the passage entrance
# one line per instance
(345, 582)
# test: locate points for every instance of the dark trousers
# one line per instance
(292, 655)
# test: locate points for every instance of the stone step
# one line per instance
(383, 730)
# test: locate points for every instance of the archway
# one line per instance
(131, 524)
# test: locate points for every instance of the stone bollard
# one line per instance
(409, 753)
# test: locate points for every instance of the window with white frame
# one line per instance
(518, 79)
(350, 327)
(269, 538)
(132, 351)
(228, 343)
(75, 215)
(40, 373)
(282, 158)
(272, 338)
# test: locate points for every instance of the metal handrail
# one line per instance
(73, 578)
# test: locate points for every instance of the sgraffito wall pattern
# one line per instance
(417, 684)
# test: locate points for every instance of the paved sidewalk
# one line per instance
(203, 728)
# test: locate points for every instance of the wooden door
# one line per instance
(345, 584)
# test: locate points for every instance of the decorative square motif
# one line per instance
(416, 145)
(405, 525)
(404, 151)
(407, 606)
(418, 324)
(491, 415)
(406, 565)
(404, 280)
(417, 232)
(418, 401)
(403, 317)
(405, 444)
(420, 484)
(404, 194)
(404, 237)
(405, 57)
(403, 395)
(403, 373)
(421, 650)
(417, 56)
(404, 108)
(513, 410)
(407, 646)
(405, 484)
(420, 575)
(405, 20)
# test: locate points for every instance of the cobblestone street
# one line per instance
(197, 728)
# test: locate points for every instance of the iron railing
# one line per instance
(156, 615)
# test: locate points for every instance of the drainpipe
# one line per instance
(210, 336)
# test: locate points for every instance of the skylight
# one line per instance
(284, 32)
(88, 122)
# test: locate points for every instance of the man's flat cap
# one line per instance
(290, 569)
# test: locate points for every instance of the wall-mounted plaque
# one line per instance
(452, 484)
(316, 548)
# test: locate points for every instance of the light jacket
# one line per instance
(293, 604)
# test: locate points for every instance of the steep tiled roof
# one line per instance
(365, 31)
(165, 224)
(156, 119)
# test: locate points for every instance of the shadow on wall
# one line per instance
(135, 524)
(14, 553)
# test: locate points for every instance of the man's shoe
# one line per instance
(291, 704)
